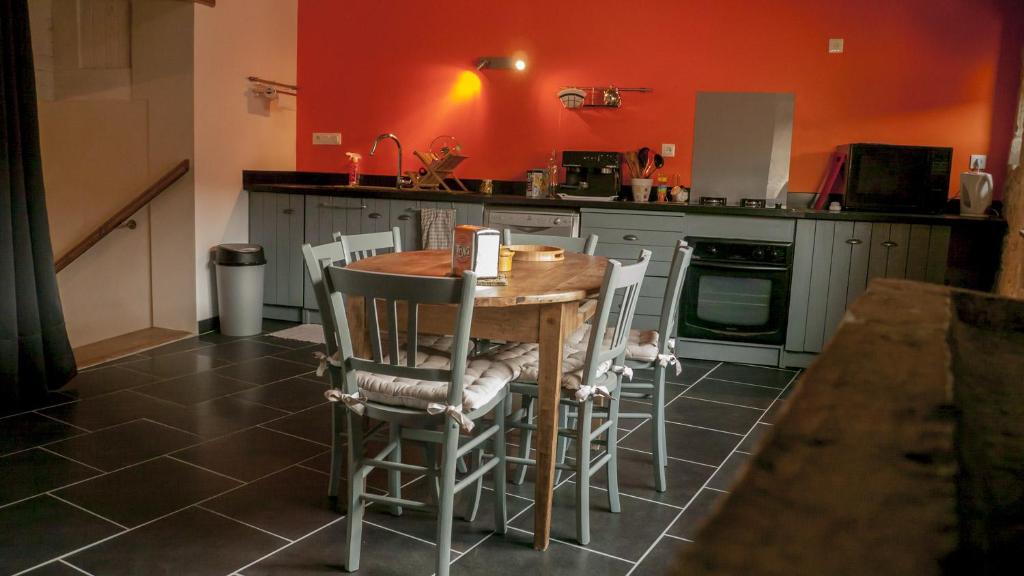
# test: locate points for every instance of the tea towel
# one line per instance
(437, 224)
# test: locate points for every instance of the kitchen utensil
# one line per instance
(536, 253)
(659, 161)
(632, 163)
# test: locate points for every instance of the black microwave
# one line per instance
(889, 178)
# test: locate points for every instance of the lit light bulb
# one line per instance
(520, 64)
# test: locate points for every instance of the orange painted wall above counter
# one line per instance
(926, 72)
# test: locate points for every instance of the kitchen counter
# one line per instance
(331, 184)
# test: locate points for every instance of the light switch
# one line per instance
(835, 45)
(327, 138)
(668, 150)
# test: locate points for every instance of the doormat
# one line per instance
(304, 332)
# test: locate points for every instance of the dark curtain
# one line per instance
(35, 355)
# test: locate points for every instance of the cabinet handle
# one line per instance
(630, 237)
(854, 241)
(333, 207)
(404, 217)
(375, 215)
(289, 210)
(889, 244)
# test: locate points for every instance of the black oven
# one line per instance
(737, 290)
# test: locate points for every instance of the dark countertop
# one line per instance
(332, 184)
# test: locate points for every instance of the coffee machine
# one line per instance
(591, 175)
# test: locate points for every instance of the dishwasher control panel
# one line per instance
(533, 221)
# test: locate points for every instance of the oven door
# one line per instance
(735, 301)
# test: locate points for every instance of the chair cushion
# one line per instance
(642, 345)
(484, 379)
(524, 358)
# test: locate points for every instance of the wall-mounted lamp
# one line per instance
(501, 63)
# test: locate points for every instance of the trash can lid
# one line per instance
(240, 255)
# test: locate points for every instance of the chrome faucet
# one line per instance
(398, 178)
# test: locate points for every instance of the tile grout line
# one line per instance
(260, 426)
(678, 538)
(713, 489)
(268, 555)
(648, 500)
(194, 465)
(212, 511)
(418, 539)
(703, 428)
(727, 403)
(745, 383)
(670, 457)
(70, 565)
(578, 547)
(82, 508)
(86, 430)
(706, 482)
(58, 454)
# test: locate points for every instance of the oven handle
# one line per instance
(729, 266)
(737, 333)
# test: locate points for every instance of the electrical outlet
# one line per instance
(835, 45)
(668, 150)
(327, 138)
(978, 161)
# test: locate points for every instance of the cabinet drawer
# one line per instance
(771, 229)
(632, 220)
(627, 253)
(639, 238)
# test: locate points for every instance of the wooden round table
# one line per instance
(540, 304)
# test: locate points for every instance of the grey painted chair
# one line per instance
(581, 245)
(316, 259)
(586, 246)
(659, 359)
(601, 374)
(359, 246)
(367, 387)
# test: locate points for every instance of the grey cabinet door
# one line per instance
(405, 214)
(326, 215)
(276, 223)
(821, 273)
(911, 251)
(800, 285)
(848, 276)
(376, 217)
(469, 213)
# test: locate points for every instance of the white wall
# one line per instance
(233, 130)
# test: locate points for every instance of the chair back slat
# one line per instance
(627, 281)
(586, 245)
(411, 332)
(359, 246)
(393, 291)
(673, 291)
(391, 311)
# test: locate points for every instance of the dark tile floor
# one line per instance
(210, 456)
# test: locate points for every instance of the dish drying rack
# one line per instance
(436, 170)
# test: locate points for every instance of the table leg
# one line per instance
(554, 321)
(355, 309)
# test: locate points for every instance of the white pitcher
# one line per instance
(975, 193)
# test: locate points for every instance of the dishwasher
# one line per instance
(551, 221)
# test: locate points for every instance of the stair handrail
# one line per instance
(115, 221)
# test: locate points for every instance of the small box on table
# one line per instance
(475, 248)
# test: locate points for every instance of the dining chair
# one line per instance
(596, 370)
(581, 245)
(422, 397)
(359, 246)
(655, 350)
(316, 259)
(586, 246)
(646, 350)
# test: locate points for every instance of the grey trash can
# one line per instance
(240, 288)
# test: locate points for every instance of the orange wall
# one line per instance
(928, 72)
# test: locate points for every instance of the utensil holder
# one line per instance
(641, 189)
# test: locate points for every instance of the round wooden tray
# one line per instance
(537, 253)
